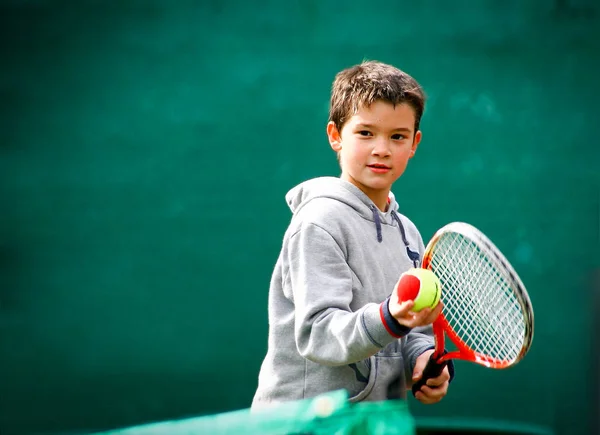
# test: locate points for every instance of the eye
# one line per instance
(365, 133)
(398, 136)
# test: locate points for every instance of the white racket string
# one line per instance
(479, 303)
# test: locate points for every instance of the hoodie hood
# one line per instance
(349, 194)
(340, 190)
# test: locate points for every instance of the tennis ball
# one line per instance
(421, 286)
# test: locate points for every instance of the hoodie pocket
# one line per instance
(386, 376)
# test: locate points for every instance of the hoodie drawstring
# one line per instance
(377, 223)
(414, 256)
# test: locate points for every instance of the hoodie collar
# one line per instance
(349, 194)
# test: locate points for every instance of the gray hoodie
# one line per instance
(329, 325)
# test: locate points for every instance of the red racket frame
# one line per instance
(441, 326)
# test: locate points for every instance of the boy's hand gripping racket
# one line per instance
(487, 313)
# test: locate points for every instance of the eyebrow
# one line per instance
(372, 126)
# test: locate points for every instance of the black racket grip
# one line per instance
(431, 370)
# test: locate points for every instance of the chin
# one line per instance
(378, 186)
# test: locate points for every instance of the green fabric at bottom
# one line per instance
(328, 414)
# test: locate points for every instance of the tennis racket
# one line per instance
(487, 313)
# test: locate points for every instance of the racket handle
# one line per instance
(431, 370)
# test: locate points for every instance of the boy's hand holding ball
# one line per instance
(415, 300)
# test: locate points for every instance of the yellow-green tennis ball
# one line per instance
(421, 286)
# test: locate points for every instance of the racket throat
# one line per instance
(439, 350)
(437, 357)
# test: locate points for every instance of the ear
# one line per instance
(415, 144)
(335, 139)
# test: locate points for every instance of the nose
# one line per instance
(381, 148)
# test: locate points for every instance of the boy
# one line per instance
(335, 321)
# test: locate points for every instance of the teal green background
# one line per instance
(146, 150)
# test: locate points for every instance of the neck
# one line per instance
(378, 196)
(380, 203)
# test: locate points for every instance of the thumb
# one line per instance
(420, 364)
(417, 373)
(405, 306)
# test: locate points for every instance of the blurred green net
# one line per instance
(328, 414)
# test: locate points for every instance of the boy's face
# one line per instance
(374, 146)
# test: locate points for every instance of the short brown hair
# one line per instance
(363, 84)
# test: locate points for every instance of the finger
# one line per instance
(431, 395)
(405, 307)
(420, 364)
(439, 380)
(425, 399)
(433, 314)
(435, 392)
(426, 317)
(423, 312)
(436, 382)
(420, 316)
(403, 313)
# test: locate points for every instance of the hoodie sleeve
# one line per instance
(319, 282)
(417, 341)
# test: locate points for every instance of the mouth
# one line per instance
(379, 168)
